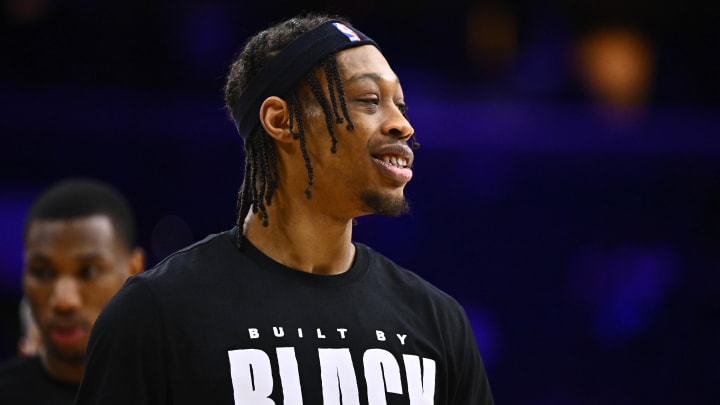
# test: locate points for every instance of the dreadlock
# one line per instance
(261, 169)
(260, 176)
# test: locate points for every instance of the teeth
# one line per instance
(395, 161)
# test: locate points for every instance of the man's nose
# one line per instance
(66, 295)
(398, 126)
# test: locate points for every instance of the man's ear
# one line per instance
(137, 261)
(275, 118)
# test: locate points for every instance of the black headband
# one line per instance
(283, 71)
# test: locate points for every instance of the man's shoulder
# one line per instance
(19, 372)
(201, 265)
(23, 381)
(214, 249)
(391, 273)
(19, 363)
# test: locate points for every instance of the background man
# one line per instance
(79, 248)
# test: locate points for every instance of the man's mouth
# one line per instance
(396, 168)
(397, 161)
(64, 335)
(397, 155)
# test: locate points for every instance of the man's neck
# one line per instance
(67, 372)
(314, 245)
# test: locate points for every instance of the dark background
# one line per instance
(575, 215)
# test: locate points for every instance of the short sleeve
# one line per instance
(471, 386)
(125, 353)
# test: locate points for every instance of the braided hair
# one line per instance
(261, 166)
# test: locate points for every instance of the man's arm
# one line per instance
(125, 361)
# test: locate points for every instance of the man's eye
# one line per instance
(403, 109)
(371, 100)
(41, 273)
(89, 272)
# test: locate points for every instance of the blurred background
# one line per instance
(567, 191)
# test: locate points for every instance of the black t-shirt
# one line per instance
(215, 324)
(24, 381)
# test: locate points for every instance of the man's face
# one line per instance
(373, 161)
(72, 269)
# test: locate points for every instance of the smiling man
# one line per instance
(79, 248)
(284, 308)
